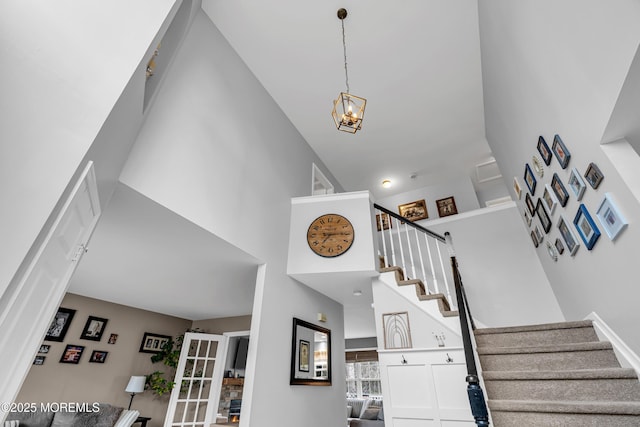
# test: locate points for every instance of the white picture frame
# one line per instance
(517, 188)
(577, 184)
(549, 199)
(612, 220)
(539, 234)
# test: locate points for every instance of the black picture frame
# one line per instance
(39, 360)
(534, 239)
(559, 246)
(558, 189)
(319, 341)
(98, 356)
(544, 150)
(153, 343)
(94, 328)
(530, 206)
(593, 175)
(530, 179)
(543, 216)
(60, 324)
(72, 354)
(560, 150)
(44, 348)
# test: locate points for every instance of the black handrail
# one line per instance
(406, 221)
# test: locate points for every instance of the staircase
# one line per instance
(556, 374)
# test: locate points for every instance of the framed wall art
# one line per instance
(587, 229)
(569, 239)
(446, 206)
(529, 179)
(44, 348)
(310, 354)
(561, 152)
(558, 189)
(610, 217)
(39, 360)
(529, 202)
(544, 150)
(383, 221)
(60, 325)
(517, 189)
(98, 356)
(559, 246)
(112, 338)
(534, 239)
(397, 333)
(549, 198)
(94, 328)
(539, 234)
(576, 183)
(72, 354)
(537, 166)
(527, 217)
(543, 216)
(414, 211)
(153, 343)
(593, 175)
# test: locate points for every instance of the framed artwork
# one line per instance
(559, 190)
(383, 221)
(397, 333)
(549, 198)
(543, 216)
(561, 152)
(587, 229)
(577, 183)
(113, 338)
(537, 166)
(593, 175)
(539, 234)
(44, 348)
(559, 246)
(610, 217)
(544, 150)
(39, 360)
(446, 206)
(98, 356)
(94, 328)
(529, 179)
(517, 188)
(569, 239)
(529, 202)
(60, 324)
(527, 217)
(72, 354)
(534, 239)
(153, 343)
(303, 357)
(414, 211)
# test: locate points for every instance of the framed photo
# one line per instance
(94, 328)
(397, 333)
(72, 354)
(384, 220)
(537, 166)
(44, 348)
(593, 175)
(559, 246)
(530, 205)
(543, 216)
(60, 325)
(587, 229)
(561, 152)
(529, 179)
(517, 188)
(544, 150)
(527, 217)
(39, 360)
(414, 211)
(446, 206)
(610, 217)
(534, 239)
(559, 190)
(303, 357)
(539, 235)
(153, 343)
(112, 338)
(577, 183)
(98, 356)
(568, 237)
(549, 198)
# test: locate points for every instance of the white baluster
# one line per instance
(444, 275)
(384, 244)
(424, 275)
(413, 265)
(433, 270)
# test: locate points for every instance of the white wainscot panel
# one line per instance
(413, 422)
(458, 423)
(451, 391)
(409, 386)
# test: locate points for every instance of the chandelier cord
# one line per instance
(344, 46)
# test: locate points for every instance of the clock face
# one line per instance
(330, 235)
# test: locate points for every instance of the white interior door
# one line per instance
(30, 302)
(195, 396)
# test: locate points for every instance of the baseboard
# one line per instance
(627, 357)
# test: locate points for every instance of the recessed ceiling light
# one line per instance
(386, 183)
(357, 293)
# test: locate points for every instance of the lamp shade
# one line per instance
(136, 384)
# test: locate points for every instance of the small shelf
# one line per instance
(233, 381)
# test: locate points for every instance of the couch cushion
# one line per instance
(13, 423)
(381, 414)
(356, 406)
(31, 419)
(127, 418)
(105, 417)
(370, 414)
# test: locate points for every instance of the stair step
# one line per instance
(565, 332)
(612, 384)
(551, 357)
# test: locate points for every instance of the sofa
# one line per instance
(98, 415)
(364, 412)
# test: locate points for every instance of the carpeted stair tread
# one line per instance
(576, 374)
(538, 327)
(571, 407)
(556, 348)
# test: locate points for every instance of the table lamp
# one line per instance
(136, 385)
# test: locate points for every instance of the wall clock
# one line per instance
(330, 235)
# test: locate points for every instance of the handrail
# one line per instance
(406, 221)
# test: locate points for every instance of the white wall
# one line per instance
(557, 67)
(216, 149)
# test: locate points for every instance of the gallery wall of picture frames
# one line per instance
(549, 211)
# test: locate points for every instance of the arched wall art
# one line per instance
(397, 333)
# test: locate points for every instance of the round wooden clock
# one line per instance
(330, 235)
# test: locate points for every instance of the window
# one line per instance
(363, 379)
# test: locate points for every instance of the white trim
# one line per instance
(237, 334)
(331, 197)
(627, 357)
(317, 177)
